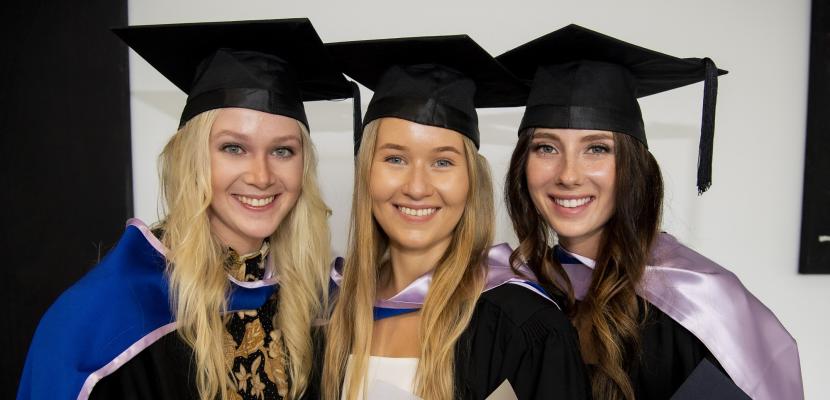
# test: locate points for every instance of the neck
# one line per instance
(408, 264)
(586, 246)
(240, 245)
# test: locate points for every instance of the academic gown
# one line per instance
(517, 333)
(112, 334)
(519, 336)
(669, 354)
(697, 310)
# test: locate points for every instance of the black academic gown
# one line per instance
(517, 335)
(669, 354)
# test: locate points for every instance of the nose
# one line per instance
(418, 184)
(260, 173)
(570, 173)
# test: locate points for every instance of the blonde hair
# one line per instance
(457, 282)
(198, 279)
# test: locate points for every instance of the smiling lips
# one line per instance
(572, 205)
(255, 202)
(418, 213)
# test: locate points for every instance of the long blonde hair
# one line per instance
(198, 280)
(457, 282)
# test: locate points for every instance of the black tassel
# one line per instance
(357, 120)
(707, 128)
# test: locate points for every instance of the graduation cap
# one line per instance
(437, 81)
(583, 79)
(269, 65)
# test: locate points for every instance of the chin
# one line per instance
(261, 231)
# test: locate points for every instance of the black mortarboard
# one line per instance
(586, 80)
(270, 66)
(437, 81)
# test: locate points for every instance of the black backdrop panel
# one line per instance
(65, 164)
(815, 220)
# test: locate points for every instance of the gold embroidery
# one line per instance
(257, 387)
(273, 359)
(276, 363)
(253, 340)
(242, 376)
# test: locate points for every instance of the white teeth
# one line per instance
(417, 212)
(256, 202)
(572, 203)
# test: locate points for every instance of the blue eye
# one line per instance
(443, 163)
(284, 152)
(545, 149)
(599, 149)
(394, 160)
(232, 148)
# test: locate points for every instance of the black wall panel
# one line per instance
(65, 175)
(815, 220)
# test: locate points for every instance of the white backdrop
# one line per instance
(749, 221)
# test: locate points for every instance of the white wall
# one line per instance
(749, 220)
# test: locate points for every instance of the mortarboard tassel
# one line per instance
(356, 118)
(707, 128)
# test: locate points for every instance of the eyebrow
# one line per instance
(393, 146)
(599, 136)
(243, 137)
(442, 149)
(545, 135)
(589, 138)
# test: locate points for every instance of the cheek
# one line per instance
(382, 183)
(603, 174)
(454, 188)
(221, 173)
(539, 174)
(291, 174)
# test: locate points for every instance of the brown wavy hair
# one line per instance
(610, 316)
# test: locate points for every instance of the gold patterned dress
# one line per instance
(254, 349)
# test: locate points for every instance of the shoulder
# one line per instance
(693, 290)
(128, 279)
(670, 252)
(118, 302)
(522, 337)
(516, 306)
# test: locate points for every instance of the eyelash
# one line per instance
(437, 163)
(288, 149)
(237, 149)
(443, 160)
(394, 159)
(538, 148)
(602, 147)
(227, 148)
(592, 149)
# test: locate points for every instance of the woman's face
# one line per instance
(418, 184)
(256, 163)
(570, 176)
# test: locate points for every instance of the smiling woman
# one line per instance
(217, 300)
(425, 306)
(656, 320)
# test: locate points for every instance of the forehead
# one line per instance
(247, 122)
(415, 136)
